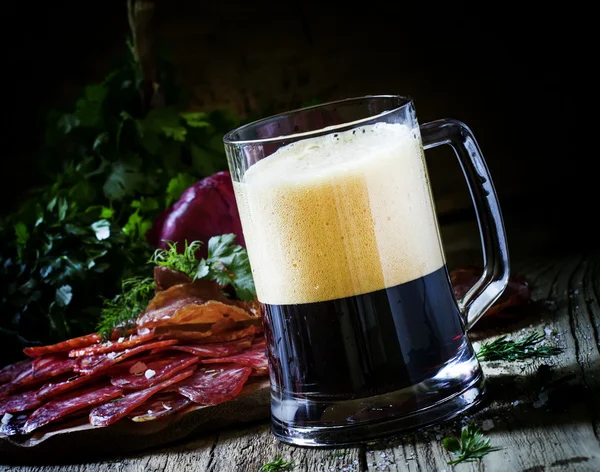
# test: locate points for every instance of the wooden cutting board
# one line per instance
(78, 440)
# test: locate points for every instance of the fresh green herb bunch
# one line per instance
(110, 165)
(470, 446)
(502, 349)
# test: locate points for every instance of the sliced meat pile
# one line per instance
(192, 346)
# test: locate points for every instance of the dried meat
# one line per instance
(51, 389)
(59, 408)
(67, 345)
(164, 304)
(153, 372)
(212, 385)
(210, 337)
(19, 402)
(165, 277)
(211, 350)
(42, 368)
(12, 371)
(109, 346)
(161, 405)
(255, 357)
(111, 412)
(93, 364)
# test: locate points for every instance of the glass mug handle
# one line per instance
(496, 269)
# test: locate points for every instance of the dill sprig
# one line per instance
(470, 446)
(185, 262)
(277, 465)
(122, 311)
(502, 349)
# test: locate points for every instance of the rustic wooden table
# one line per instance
(543, 415)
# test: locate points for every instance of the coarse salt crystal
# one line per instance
(144, 331)
(150, 373)
(548, 331)
(6, 418)
(137, 368)
(486, 425)
(111, 355)
(121, 339)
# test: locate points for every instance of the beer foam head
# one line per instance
(339, 215)
(336, 152)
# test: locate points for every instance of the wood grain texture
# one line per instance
(543, 414)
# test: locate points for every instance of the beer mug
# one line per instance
(364, 335)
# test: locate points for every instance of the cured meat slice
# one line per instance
(202, 338)
(20, 402)
(164, 304)
(517, 290)
(54, 389)
(67, 345)
(162, 404)
(93, 364)
(42, 368)
(11, 425)
(12, 371)
(215, 384)
(255, 357)
(165, 277)
(108, 413)
(109, 346)
(211, 350)
(146, 374)
(68, 404)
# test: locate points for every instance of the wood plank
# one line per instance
(534, 433)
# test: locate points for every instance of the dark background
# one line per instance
(518, 78)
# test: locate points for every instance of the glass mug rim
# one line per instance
(232, 136)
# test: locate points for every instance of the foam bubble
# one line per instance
(339, 215)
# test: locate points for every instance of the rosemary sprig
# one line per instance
(502, 349)
(470, 446)
(277, 465)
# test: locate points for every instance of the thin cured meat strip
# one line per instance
(20, 402)
(201, 338)
(160, 405)
(255, 357)
(109, 346)
(212, 350)
(54, 389)
(111, 412)
(67, 345)
(42, 368)
(148, 374)
(93, 364)
(12, 371)
(215, 384)
(68, 404)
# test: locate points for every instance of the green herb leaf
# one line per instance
(196, 119)
(230, 265)
(122, 311)
(277, 465)
(502, 349)
(125, 179)
(21, 233)
(469, 447)
(177, 185)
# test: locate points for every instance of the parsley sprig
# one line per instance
(277, 465)
(503, 349)
(470, 446)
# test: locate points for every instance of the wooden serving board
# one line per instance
(79, 440)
